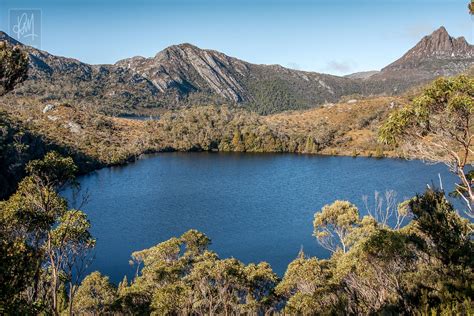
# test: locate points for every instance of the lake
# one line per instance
(254, 207)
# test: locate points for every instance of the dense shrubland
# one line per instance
(20, 141)
(272, 95)
(20, 144)
(339, 129)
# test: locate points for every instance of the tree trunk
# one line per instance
(54, 281)
(55, 293)
(71, 297)
(36, 282)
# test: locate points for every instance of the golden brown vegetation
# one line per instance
(348, 128)
(342, 129)
(30, 127)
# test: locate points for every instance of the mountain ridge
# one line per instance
(185, 75)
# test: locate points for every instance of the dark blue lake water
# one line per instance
(254, 207)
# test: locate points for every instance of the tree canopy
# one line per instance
(13, 66)
(45, 244)
(438, 127)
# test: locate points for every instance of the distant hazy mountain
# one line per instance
(184, 75)
(362, 74)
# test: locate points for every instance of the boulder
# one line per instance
(48, 108)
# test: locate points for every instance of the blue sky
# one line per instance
(331, 36)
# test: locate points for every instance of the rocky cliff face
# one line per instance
(435, 55)
(184, 75)
(437, 49)
(186, 69)
(188, 72)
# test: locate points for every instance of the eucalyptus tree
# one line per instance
(307, 287)
(371, 275)
(181, 276)
(159, 284)
(446, 246)
(69, 252)
(38, 218)
(260, 288)
(13, 66)
(95, 296)
(438, 126)
(386, 210)
(334, 223)
(218, 285)
(424, 267)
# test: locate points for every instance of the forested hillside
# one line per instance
(19, 145)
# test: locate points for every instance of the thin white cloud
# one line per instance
(339, 67)
(413, 32)
(417, 31)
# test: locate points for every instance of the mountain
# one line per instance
(185, 69)
(362, 74)
(435, 55)
(110, 88)
(184, 75)
(193, 75)
(439, 53)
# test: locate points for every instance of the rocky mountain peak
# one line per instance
(182, 46)
(187, 68)
(440, 33)
(182, 51)
(439, 45)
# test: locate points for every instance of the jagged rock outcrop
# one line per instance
(435, 50)
(435, 55)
